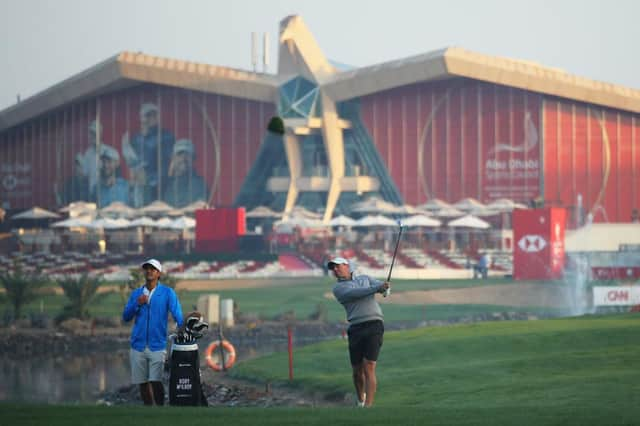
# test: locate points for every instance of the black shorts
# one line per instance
(365, 341)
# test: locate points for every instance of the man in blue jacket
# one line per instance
(150, 305)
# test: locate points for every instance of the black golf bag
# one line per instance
(185, 387)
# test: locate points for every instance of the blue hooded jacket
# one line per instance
(150, 325)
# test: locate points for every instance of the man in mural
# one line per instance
(184, 185)
(147, 155)
(112, 187)
(76, 187)
(90, 162)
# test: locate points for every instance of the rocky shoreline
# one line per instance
(83, 337)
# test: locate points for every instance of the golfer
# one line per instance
(357, 295)
(150, 305)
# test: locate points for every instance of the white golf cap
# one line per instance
(337, 261)
(183, 145)
(109, 152)
(147, 108)
(154, 263)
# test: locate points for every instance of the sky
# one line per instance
(43, 42)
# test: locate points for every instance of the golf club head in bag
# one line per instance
(192, 329)
(387, 292)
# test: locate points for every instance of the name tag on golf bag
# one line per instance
(184, 382)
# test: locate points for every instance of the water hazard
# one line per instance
(82, 378)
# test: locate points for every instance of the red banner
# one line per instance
(539, 243)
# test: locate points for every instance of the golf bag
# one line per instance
(185, 387)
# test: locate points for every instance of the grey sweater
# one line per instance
(357, 295)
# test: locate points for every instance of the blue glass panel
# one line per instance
(305, 105)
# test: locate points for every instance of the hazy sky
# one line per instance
(42, 42)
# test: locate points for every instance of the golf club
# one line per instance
(393, 259)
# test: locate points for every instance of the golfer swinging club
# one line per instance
(357, 295)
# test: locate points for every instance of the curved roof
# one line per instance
(129, 69)
(456, 62)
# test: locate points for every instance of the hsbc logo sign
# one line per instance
(532, 243)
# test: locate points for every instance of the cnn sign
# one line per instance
(616, 296)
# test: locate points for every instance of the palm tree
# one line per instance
(21, 287)
(81, 292)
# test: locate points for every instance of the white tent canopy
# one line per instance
(469, 221)
(36, 213)
(421, 220)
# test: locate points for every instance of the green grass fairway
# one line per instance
(582, 371)
(564, 366)
(302, 296)
(402, 416)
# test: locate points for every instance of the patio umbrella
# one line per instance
(421, 220)
(299, 211)
(74, 222)
(183, 222)
(117, 208)
(448, 212)
(143, 221)
(434, 204)
(377, 220)
(470, 205)
(156, 208)
(342, 220)
(469, 221)
(505, 205)
(262, 212)
(78, 208)
(375, 205)
(109, 223)
(196, 205)
(36, 213)
(164, 222)
(286, 225)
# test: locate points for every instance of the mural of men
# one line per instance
(90, 160)
(147, 155)
(184, 185)
(112, 187)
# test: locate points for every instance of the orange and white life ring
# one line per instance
(229, 355)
